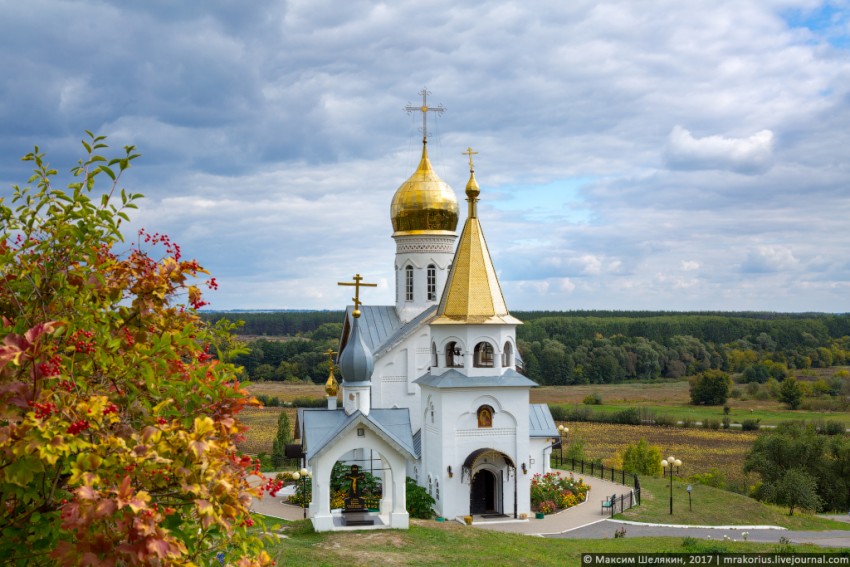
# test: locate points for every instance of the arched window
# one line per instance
(437, 484)
(485, 416)
(432, 283)
(508, 356)
(454, 355)
(483, 355)
(434, 361)
(408, 283)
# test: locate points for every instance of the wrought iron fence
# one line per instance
(616, 504)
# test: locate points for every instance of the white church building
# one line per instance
(430, 385)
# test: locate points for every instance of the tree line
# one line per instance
(576, 349)
(586, 347)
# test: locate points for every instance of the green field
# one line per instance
(429, 543)
(701, 413)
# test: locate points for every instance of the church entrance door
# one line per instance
(482, 497)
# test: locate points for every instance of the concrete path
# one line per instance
(277, 507)
(586, 521)
(588, 512)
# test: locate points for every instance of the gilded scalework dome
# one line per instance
(424, 204)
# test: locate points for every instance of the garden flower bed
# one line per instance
(551, 492)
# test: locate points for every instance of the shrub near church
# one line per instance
(117, 424)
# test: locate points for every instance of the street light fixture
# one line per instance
(304, 474)
(668, 464)
(563, 430)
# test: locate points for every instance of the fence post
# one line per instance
(602, 471)
(592, 464)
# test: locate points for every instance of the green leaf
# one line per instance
(108, 172)
(22, 471)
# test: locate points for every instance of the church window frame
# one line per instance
(508, 355)
(434, 359)
(485, 417)
(437, 490)
(484, 355)
(454, 355)
(432, 282)
(408, 283)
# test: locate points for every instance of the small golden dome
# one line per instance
(472, 188)
(424, 203)
(331, 386)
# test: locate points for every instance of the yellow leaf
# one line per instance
(204, 425)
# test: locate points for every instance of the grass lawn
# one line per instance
(712, 506)
(762, 411)
(429, 543)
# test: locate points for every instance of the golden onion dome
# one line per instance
(424, 204)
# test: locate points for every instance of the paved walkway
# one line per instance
(586, 521)
(588, 512)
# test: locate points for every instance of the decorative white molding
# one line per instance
(425, 244)
(487, 432)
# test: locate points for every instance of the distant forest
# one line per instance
(586, 347)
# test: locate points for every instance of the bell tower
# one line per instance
(424, 215)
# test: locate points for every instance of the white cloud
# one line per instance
(750, 155)
(704, 141)
(766, 259)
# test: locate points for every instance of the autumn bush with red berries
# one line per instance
(118, 408)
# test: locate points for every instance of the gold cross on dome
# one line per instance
(425, 109)
(358, 283)
(331, 352)
(470, 153)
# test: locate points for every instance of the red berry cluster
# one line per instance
(78, 426)
(205, 356)
(128, 337)
(80, 344)
(248, 522)
(111, 408)
(66, 385)
(164, 239)
(212, 284)
(52, 367)
(161, 420)
(44, 410)
(273, 486)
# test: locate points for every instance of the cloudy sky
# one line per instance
(632, 155)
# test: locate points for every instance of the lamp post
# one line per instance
(562, 431)
(668, 464)
(305, 474)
